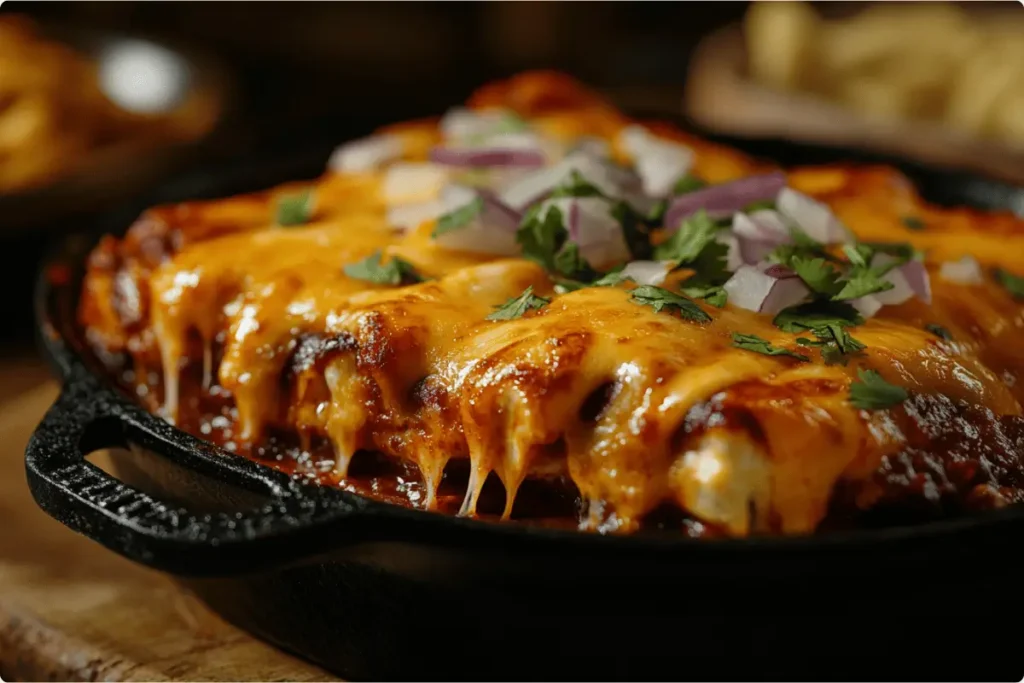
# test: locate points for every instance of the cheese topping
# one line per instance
(417, 372)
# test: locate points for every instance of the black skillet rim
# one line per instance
(72, 367)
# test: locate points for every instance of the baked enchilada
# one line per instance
(537, 308)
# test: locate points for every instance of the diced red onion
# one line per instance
(593, 228)
(413, 181)
(660, 163)
(812, 217)
(765, 288)
(493, 231)
(722, 201)
(366, 154)
(508, 149)
(647, 272)
(966, 271)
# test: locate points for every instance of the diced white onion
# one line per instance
(593, 228)
(765, 289)
(867, 306)
(593, 146)
(734, 255)
(647, 272)
(410, 216)
(813, 217)
(763, 225)
(909, 280)
(366, 154)
(410, 182)
(965, 271)
(659, 162)
(460, 123)
(612, 181)
(493, 231)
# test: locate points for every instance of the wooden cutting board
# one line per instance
(72, 610)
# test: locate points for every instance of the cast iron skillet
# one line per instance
(372, 591)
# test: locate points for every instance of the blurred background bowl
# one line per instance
(181, 93)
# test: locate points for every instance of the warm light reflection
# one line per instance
(143, 77)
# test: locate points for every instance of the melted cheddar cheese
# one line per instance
(638, 408)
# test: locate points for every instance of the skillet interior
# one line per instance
(372, 591)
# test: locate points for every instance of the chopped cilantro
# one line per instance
(861, 282)
(817, 274)
(517, 306)
(751, 342)
(687, 243)
(571, 264)
(542, 235)
(634, 230)
(1014, 284)
(395, 272)
(295, 208)
(939, 331)
(871, 392)
(656, 215)
(695, 287)
(659, 299)
(576, 186)
(835, 343)
(817, 314)
(759, 206)
(913, 223)
(688, 183)
(460, 217)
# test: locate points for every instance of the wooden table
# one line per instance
(72, 610)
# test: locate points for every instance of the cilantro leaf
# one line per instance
(759, 206)
(517, 306)
(571, 264)
(609, 279)
(835, 343)
(686, 244)
(542, 235)
(659, 299)
(751, 342)
(913, 223)
(697, 287)
(817, 274)
(576, 186)
(634, 230)
(295, 208)
(395, 272)
(861, 282)
(688, 183)
(871, 392)
(939, 331)
(817, 314)
(459, 218)
(656, 216)
(1014, 284)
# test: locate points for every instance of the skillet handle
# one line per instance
(298, 524)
